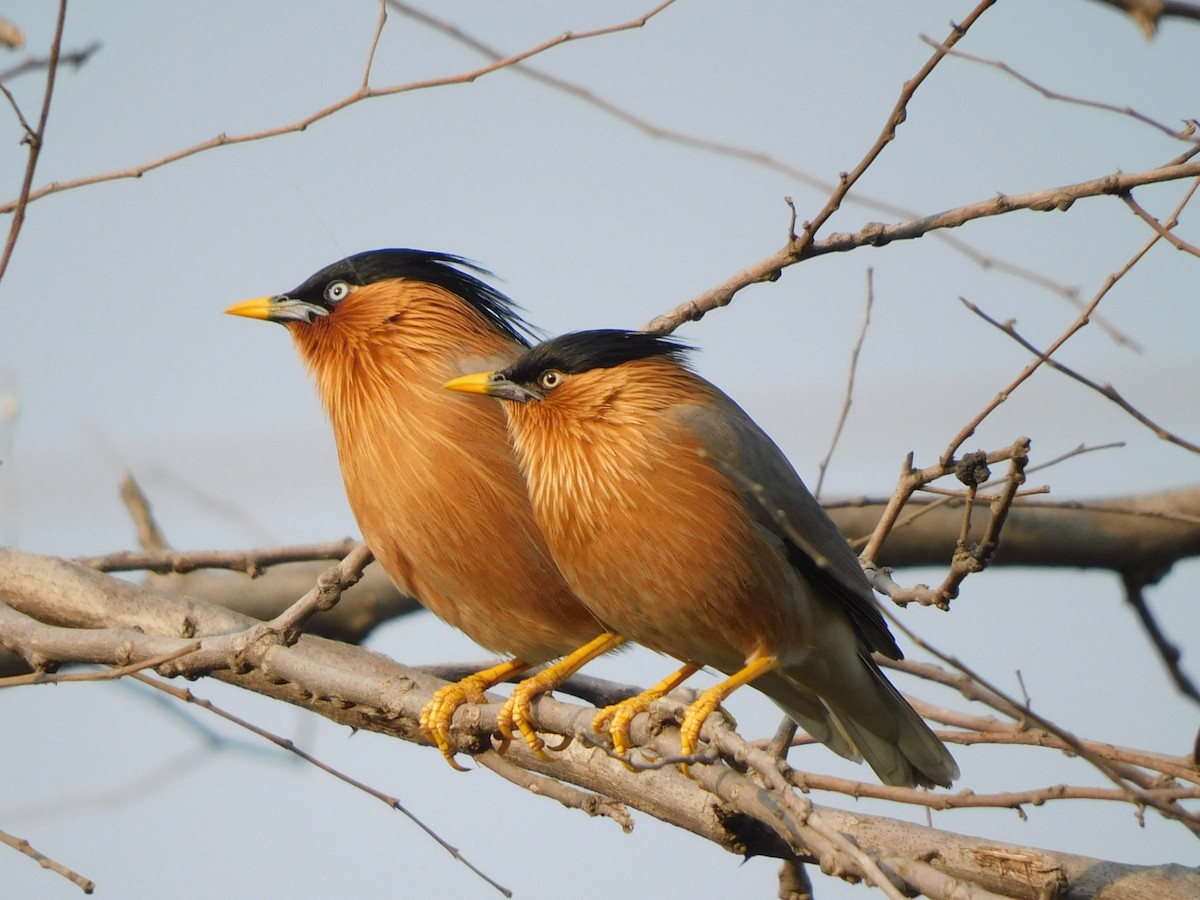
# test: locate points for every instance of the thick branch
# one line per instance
(355, 687)
(1147, 533)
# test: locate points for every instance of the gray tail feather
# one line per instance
(871, 722)
(806, 710)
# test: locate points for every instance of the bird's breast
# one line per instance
(655, 542)
(436, 491)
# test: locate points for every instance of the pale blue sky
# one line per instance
(116, 351)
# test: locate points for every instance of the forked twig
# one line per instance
(360, 94)
(1105, 390)
(1071, 330)
(803, 244)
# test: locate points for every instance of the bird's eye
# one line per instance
(550, 379)
(336, 291)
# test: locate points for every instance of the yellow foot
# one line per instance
(698, 712)
(439, 711)
(518, 712)
(617, 718)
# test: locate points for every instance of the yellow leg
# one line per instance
(693, 719)
(616, 719)
(517, 710)
(436, 716)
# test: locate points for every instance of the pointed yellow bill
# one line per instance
(479, 383)
(258, 308)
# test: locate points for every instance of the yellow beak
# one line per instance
(469, 384)
(282, 309)
(258, 308)
(494, 384)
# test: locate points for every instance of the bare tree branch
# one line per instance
(1115, 534)
(360, 94)
(848, 397)
(799, 246)
(1163, 230)
(1183, 134)
(1105, 390)
(1070, 332)
(361, 689)
(23, 846)
(1167, 651)
(251, 562)
(290, 746)
(756, 157)
(876, 234)
(35, 139)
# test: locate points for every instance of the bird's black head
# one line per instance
(538, 371)
(582, 351)
(453, 273)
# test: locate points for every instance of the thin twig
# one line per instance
(290, 746)
(972, 470)
(1132, 793)
(1167, 651)
(323, 596)
(359, 95)
(874, 234)
(36, 139)
(755, 157)
(150, 535)
(366, 79)
(252, 562)
(1071, 330)
(1178, 134)
(108, 674)
(1164, 231)
(801, 247)
(1105, 390)
(849, 396)
(898, 116)
(86, 885)
(910, 515)
(911, 479)
(12, 101)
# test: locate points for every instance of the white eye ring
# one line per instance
(336, 291)
(550, 379)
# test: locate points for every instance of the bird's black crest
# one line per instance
(582, 351)
(445, 270)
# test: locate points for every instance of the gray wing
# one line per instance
(778, 500)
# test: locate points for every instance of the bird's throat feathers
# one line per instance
(595, 443)
(391, 343)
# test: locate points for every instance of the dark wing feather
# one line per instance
(779, 501)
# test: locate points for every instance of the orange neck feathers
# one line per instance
(412, 454)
